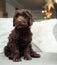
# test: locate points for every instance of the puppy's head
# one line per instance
(22, 18)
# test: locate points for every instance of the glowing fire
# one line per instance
(48, 12)
(50, 4)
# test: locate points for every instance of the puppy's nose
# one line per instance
(22, 22)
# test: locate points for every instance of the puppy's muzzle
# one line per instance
(23, 23)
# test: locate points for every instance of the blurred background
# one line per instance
(41, 9)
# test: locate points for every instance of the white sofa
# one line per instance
(44, 34)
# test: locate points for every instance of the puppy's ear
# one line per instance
(30, 17)
(13, 21)
(15, 16)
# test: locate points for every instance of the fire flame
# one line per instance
(50, 5)
(48, 14)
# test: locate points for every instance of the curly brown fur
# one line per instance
(19, 43)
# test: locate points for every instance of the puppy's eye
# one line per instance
(28, 19)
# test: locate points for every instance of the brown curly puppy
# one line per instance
(20, 39)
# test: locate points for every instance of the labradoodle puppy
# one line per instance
(19, 43)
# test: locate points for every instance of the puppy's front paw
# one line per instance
(16, 59)
(35, 55)
(28, 57)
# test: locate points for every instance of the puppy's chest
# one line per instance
(24, 37)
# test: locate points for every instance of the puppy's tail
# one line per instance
(7, 51)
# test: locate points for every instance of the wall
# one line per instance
(38, 14)
(3, 8)
(10, 9)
